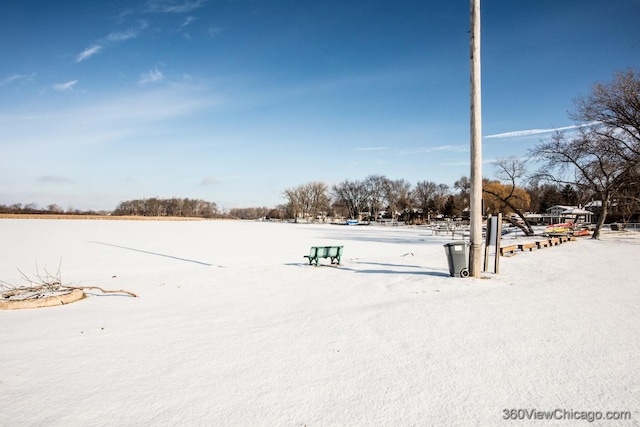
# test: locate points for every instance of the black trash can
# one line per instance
(458, 258)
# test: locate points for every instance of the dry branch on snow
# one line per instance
(45, 285)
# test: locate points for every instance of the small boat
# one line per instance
(581, 232)
(568, 228)
(562, 228)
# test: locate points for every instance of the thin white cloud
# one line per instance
(529, 132)
(497, 160)
(111, 39)
(125, 13)
(372, 149)
(88, 52)
(173, 6)
(151, 76)
(10, 79)
(182, 30)
(107, 120)
(426, 150)
(63, 87)
(209, 181)
(214, 31)
(121, 36)
(188, 20)
(15, 77)
(468, 162)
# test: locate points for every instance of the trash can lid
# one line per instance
(460, 243)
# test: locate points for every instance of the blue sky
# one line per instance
(233, 101)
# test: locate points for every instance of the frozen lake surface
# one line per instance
(233, 327)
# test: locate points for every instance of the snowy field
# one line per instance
(232, 327)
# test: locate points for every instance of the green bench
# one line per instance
(317, 252)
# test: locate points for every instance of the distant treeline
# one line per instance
(33, 209)
(174, 207)
(191, 208)
(153, 207)
(277, 213)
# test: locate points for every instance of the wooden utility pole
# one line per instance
(475, 254)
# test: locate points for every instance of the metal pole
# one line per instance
(476, 146)
(487, 242)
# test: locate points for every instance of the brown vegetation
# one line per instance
(98, 217)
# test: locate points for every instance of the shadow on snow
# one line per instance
(424, 271)
(154, 253)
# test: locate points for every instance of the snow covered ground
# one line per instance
(233, 328)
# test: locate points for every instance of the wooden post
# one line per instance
(498, 243)
(476, 145)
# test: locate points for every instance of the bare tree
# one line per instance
(613, 109)
(512, 197)
(605, 153)
(424, 194)
(375, 185)
(585, 161)
(318, 199)
(53, 208)
(351, 196)
(309, 200)
(440, 198)
(459, 203)
(430, 197)
(543, 196)
(397, 193)
(295, 202)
